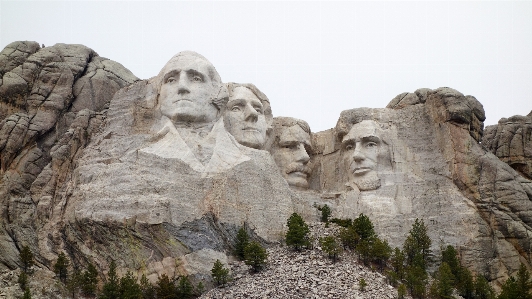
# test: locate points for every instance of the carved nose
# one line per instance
(358, 155)
(182, 87)
(302, 156)
(250, 113)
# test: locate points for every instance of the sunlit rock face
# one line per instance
(159, 174)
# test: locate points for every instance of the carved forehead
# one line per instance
(364, 129)
(243, 93)
(294, 134)
(189, 60)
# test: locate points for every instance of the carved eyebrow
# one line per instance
(196, 73)
(372, 138)
(170, 74)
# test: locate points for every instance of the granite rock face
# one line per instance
(511, 141)
(50, 100)
(157, 175)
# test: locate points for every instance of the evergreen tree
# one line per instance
(165, 288)
(509, 289)
(255, 255)
(416, 281)
(61, 267)
(27, 294)
(442, 286)
(89, 281)
(26, 258)
(380, 252)
(242, 240)
(342, 222)
(524, 285)
(200, 288)
(349, 237)
(111, 288)
(401, 292)
(364, 248)
(464, 283)
(330, 246)
(483, 290)
(219, 273)
(184, 288)
(398, 261)
(74, 283)
(23, 280)
(297, 234)
(362, 284)
(325, 212)
(450, 256)
(148, 291)
(417, 244)
(364, 227)
(129, 288)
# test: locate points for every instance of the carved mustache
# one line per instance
(298, 168)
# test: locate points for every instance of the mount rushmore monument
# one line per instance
(159, 174)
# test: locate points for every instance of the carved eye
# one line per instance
(235, 108)
(371, 144)
(197, 79)
(349, 147)
(170, 80)
(258, 109)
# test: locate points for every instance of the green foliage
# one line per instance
(23, 280)
(364, 248)
(184, 288)
(417, 245)
(27, 294)
(450, 256)
(111, 288)
(517, 287)
(349, 237)
(401, 292)
(330, 246)
(219, 273)
(362, 284)
(89, 281)
(26, 258)
(129, 288)
(364, 227)
(397, 261)
(416, 280)
(297, 234)
(255, 255)
(200, 288)
(464, 283)
(482, 288)
(242, 240)
(74, 282)
(380, 252)
(342, 222)
(61, 267)
(147, 289)
(442, 286)
(165, 288)
(325, 212)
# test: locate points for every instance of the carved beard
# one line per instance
(370, 181)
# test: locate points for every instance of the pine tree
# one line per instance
(362, 284)
(464, 283)
(255, 256)
(398, 261)
(364, 248)
(509, 289)
(330, 246)
(129, 288)
(450, 256)
(199, 289)
(184, 288)
(442, 286)
(483, 290)
(416, 280)
(111, 288)
(401, 292)
(380, 252)
(165, 288)
(524, 284)
(26, 258)
(89, 281)
(297, 234)
(242, 240)
(148, 291)
(74, 283)
(61, 267)
(349, 237)
(23, 280)
(325, 212)
(27, 294)
(219, 273)
(364, 227)
(417, 244)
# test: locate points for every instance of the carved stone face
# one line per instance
(187, 91)
(291, 156)
(244, 118)
(361, 151)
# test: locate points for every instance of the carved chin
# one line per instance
(370, 181)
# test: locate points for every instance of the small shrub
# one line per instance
(362, 284)
(219, 273)
(255, 256)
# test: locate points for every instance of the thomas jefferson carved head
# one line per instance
(190, 89)
(248, 115)
(290, 147)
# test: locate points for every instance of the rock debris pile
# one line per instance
(305, 274)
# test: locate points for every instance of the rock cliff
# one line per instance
(104, 166)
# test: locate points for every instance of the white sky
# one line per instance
(312, 59)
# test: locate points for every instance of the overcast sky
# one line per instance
(312, 59)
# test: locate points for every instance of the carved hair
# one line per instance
(231, 86)
(282, 121)
(349, 118)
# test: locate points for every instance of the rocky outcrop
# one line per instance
(510, 140)
(50, 100)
